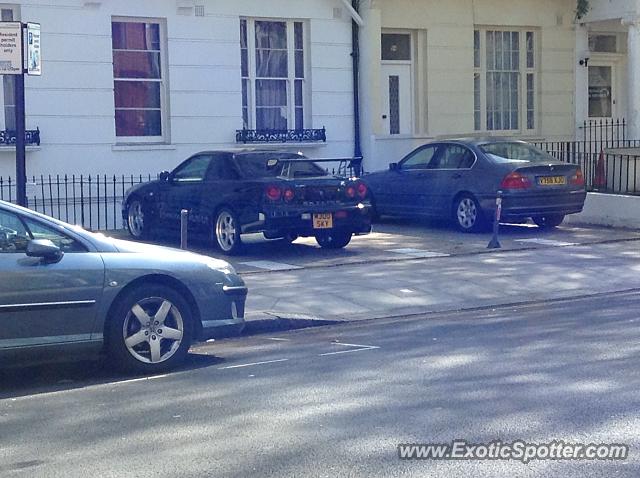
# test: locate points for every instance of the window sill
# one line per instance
(12, 149)
(143, 147)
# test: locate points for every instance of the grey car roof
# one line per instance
(240, 151)
(478, 140)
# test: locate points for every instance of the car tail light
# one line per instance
(289, 194)
(273, 193)
(362, 190)
(577, 179)
(515, 180)
(350, 192)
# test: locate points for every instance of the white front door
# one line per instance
(397, 111)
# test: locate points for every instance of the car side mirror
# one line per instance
(164, 176)
(394, 167)
(45, 249)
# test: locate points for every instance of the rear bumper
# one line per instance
(298, 221)
(521, 206)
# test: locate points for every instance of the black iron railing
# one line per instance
(91, 201)
(614, 170)
(31, 137)
(246, 136)
(608, 132)
(609, 160)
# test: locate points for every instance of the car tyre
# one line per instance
(150, 330)
(333, 239)
(548, 222)
(226, 232)
(467, 214)
(138, 221)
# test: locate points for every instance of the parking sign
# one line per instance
(11, 48)
(34, 59)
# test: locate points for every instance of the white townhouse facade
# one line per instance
(134, 87)
(608, 50)
(131, 87)
(465, 67)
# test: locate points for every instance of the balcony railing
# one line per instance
(31, 137)
(246, 136)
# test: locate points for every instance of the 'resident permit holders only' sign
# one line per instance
(11, 48)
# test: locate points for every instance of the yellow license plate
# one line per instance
(552, 181)
(323, 221)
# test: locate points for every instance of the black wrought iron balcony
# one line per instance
(31, 137)
(281, 135)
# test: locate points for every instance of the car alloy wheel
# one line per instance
(467, 214)
(153, 330)
(227, 232)
(135, 219)
(150, 329)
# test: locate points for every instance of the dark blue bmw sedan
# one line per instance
(459, 179)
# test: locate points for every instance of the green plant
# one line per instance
(582, 8)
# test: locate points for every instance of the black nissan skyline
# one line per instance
(229, 193)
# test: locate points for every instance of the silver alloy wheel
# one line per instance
(467, 213)
(153, 330)
(135, 218)
(226, 233)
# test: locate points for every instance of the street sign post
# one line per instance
(12, 62)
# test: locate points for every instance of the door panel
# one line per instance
(410, 186)
(450, 172)
(43, 302)
(397, 111)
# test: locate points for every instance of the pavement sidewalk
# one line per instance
(419, 286)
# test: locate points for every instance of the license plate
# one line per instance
(552, 181)
(323, 221)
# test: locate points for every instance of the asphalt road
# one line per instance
(336, 401)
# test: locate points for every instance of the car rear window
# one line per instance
(505, 152)
(282, 165)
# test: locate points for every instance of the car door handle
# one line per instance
(457, 176)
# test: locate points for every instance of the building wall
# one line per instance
(73, 101)
(448, 66)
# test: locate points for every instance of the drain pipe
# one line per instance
(355, 55)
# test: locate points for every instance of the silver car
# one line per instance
(64, 289)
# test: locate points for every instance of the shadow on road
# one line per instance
(25, 380)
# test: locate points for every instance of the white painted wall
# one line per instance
(608, 210)
(73, 105)
(601, 10)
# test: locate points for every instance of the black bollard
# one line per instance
(495, 242)
(184, 221)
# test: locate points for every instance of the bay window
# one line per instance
(273, 74)
(139, 79)
(505, 70)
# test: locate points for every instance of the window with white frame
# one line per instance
(273, 74)
(504, 81)
(139, 75)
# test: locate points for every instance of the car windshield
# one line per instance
(506, 152)
(262, 165)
